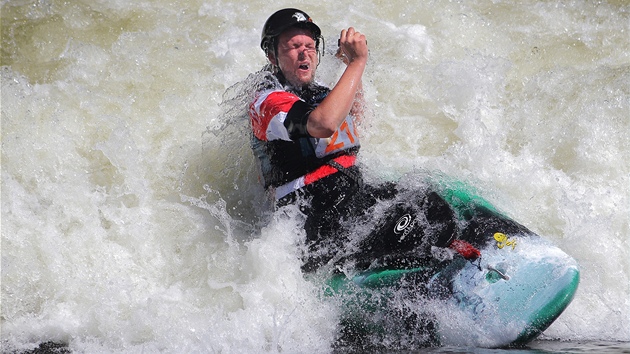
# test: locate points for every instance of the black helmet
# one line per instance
(282, 20)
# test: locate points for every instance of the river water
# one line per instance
(132, 217)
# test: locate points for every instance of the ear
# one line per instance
(272, 59)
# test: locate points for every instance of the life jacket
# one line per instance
(289, 157)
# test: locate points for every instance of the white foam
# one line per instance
(130, 204)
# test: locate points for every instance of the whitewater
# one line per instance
(132, 216)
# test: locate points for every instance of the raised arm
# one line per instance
(326, 118)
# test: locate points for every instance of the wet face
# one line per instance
(297, 56)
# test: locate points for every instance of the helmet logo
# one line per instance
(299, 17)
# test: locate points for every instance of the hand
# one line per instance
(352, 46)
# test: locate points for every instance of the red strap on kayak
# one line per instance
(465, 249)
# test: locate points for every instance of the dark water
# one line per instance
(545, 346)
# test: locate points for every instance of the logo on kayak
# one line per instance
(503, 240)
(404, 225)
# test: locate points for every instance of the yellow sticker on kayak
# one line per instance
(503, 240)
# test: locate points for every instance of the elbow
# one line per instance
(321, 128)
(321, 131)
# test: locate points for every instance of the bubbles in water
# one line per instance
(133, 219)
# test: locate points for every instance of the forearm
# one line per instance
(358, 104)
(326, 118)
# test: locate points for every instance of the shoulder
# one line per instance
(281, 99)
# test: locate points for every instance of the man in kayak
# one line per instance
(305, 137)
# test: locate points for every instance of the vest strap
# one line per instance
(339, 164)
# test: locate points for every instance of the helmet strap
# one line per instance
(320, 52)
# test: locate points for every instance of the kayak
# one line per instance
(498, 285)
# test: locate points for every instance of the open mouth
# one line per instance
(304, 66)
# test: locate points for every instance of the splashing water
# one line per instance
(132, 216)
